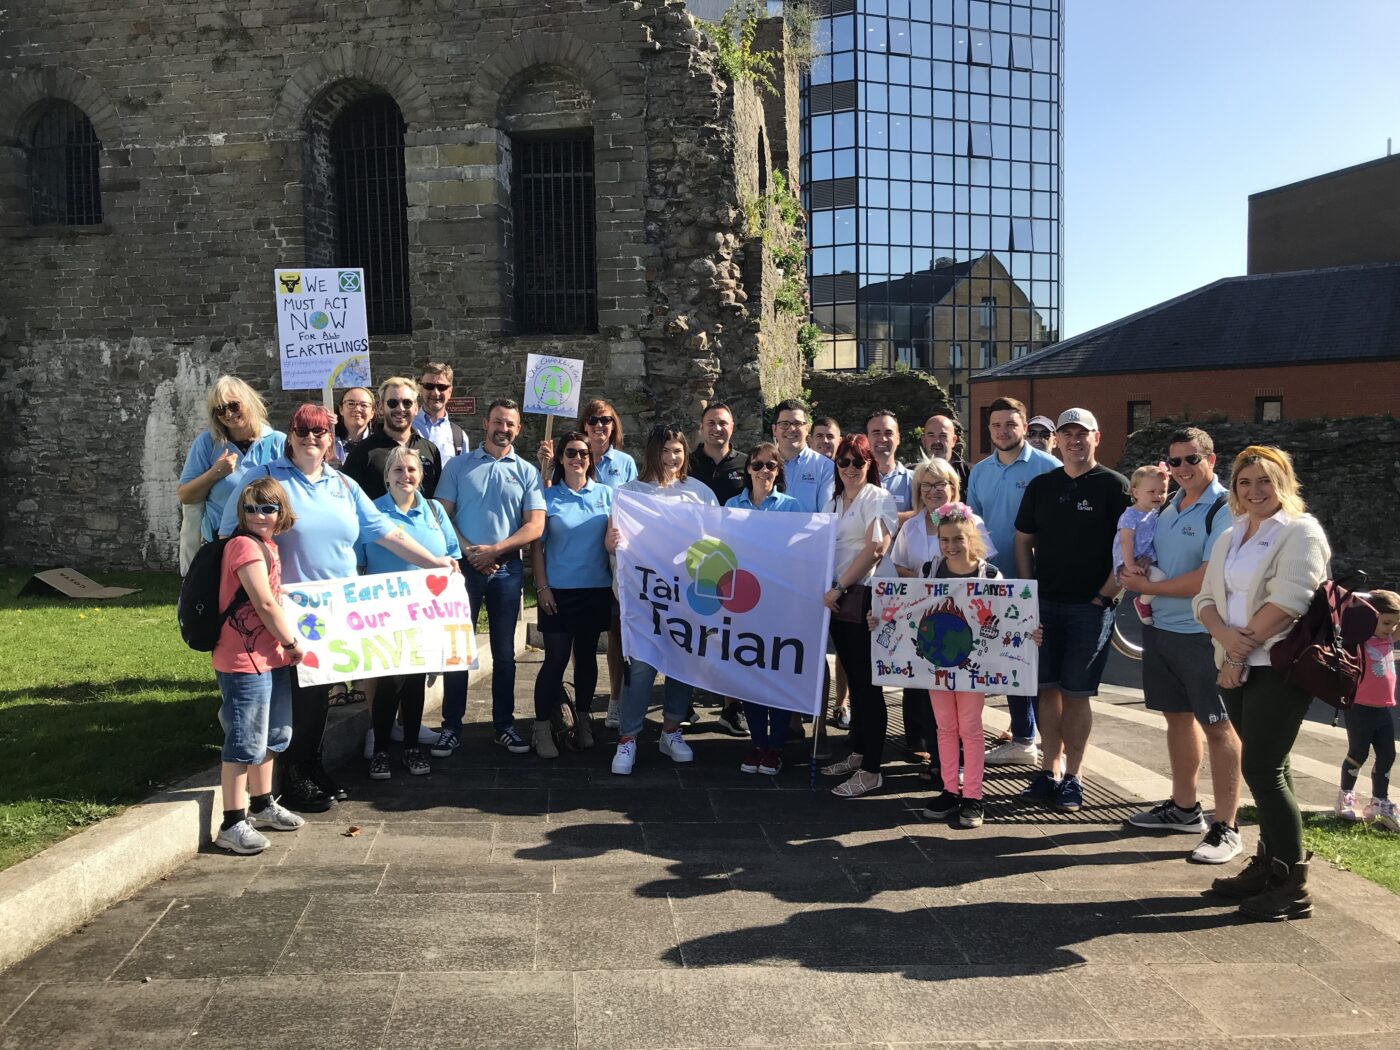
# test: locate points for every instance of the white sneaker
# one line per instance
(277, 817)
(611, 720)
(673, 744)
(241, 838)
(1221, 845)
(624, 758)
(1013, 753)
(1382, 812)
(1345, 806)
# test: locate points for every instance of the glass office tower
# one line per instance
(931, 171)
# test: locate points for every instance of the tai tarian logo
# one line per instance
(716, 581)
(552, 386)
(312, 627)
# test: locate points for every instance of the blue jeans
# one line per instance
(501, 592)
(256, 714)
(636, 698)
(1075, 648)
(768, 726)
(1022, 710)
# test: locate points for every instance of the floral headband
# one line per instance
(953, 512)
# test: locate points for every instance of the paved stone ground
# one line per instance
(509, 902)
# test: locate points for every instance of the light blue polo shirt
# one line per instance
(205, 450)
(439, 432)
(333, 514)
(994, 491)
(425, 521)
(575, 525)
(810, 479)
(1182, 545)
(775, 501)
(615, 469)
(490, 496)
(899, 483)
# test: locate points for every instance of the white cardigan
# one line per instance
(1288, 576)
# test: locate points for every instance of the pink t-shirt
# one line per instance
(1377, 685)
(245, 646)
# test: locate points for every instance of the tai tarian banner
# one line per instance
(552, 385)
(956, 635)
(415, 622)
(726, 600)
(322, 331)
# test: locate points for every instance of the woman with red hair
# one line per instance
(332, 513)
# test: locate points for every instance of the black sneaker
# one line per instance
(322, 779)
(379, 766)
(301, 794)
(416, 762)
(512, 741)
(732, 720)
(942, 807)
(970, 813)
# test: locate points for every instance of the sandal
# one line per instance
(858, 785)
(347, 696)
(848, 765)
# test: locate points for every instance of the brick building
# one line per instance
(159, 159)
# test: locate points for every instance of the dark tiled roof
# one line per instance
(1347, 313)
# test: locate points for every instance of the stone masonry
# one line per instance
(212, 122)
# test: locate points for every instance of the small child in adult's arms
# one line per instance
(1371, 721)
(1133, 555)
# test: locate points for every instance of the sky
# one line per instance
(1175, 111)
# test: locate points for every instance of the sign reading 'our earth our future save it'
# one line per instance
(955, 635)
(552, 385)
(322, 330)
(416, 622)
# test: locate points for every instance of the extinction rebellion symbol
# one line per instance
(349, 281)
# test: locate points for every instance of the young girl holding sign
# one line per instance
(252, 659)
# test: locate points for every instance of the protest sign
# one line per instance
(414, 622)
(552, 385)
(726, 600)
(955, 635)
(322, 331)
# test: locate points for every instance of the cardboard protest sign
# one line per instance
(70, 583)
(955, 635)
(322, 330)
(726, 600)
(552, 385)
(415, 622)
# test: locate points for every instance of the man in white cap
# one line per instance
(1065, 530)
(1040, 432)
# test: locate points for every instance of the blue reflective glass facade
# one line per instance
(931, 171)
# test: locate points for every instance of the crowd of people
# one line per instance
(1219, 573)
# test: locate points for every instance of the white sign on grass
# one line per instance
(552, 385)
(322, 329)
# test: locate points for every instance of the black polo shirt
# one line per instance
(725, 478)
(1075, 524)
(365, 462)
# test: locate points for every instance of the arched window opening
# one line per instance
(63, 159)
(556, 270)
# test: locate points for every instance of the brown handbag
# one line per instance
(852, 606)
(1324, 652)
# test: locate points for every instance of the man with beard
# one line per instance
(398, 400)
(940, 441)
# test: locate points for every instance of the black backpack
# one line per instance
(198, 610)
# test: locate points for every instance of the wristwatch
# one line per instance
(1107, 601)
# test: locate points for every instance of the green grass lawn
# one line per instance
(1370, 852)
(100, 705)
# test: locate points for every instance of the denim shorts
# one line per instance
(256, 714)
(1075, 648)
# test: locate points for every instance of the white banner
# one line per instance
(322, 329)
(956, 635)
(414, 622)
(552, 385)
(726, 600)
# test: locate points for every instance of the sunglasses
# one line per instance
(227, 409)
(262, 508)
(600, 421)
(305, 432)
(577, 453)
(1193, 459)
(436, 388)
(765, 466)
(398, 402)
(1038, 432)
(846, 462)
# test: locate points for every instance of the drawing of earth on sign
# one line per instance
(944, 639)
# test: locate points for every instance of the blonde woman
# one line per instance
(935, 485)
(1260, 578)
(238, 437)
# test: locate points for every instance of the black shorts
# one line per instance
(1178, 675)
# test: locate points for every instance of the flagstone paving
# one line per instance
(508, 902)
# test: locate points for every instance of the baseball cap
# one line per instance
(1077, 417)
(1041, 421)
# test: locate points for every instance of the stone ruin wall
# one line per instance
(110, 335)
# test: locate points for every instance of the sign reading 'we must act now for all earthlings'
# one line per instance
(371, 626)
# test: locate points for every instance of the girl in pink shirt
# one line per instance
(1370, 721)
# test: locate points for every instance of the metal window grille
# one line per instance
(556, 271)
(372, 208)
(64, 154)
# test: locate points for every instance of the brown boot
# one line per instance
(1248, 883)
(1286, 896)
